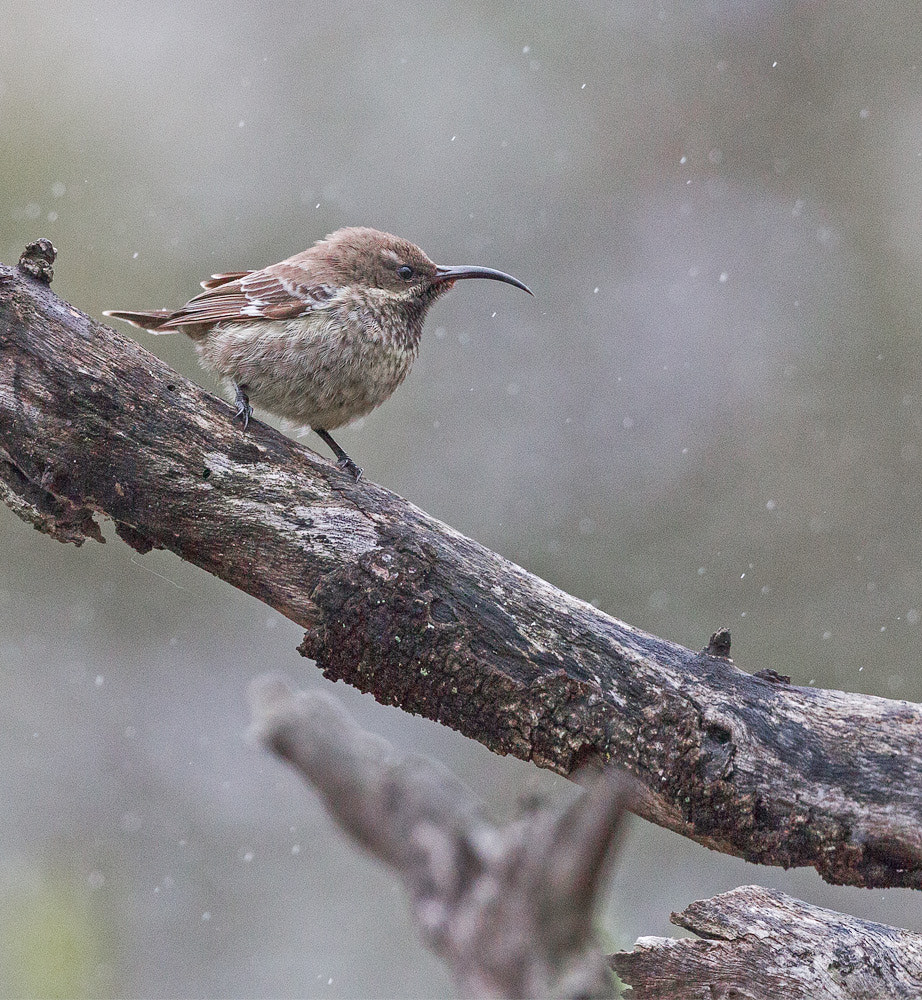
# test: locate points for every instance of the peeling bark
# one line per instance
(761, 944)
(402, 606)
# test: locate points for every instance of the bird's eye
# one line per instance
(406, 272)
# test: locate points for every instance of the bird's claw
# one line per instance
(243, 414)
(244, 410)
(347, 465)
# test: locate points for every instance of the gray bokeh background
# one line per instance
(710, 415)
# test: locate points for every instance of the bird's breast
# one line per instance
(321, 370)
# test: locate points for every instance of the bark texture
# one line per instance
(509, 910)
(402, 606)
(761, 944)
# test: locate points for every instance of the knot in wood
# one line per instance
(772, 676)
(718, 749)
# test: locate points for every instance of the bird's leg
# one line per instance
(342, 459)
(244, 410)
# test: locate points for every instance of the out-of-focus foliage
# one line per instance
(52, 944)
(710, 414)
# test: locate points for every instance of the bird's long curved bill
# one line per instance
(457, 273)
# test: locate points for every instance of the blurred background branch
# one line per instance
(510, 909)
(401, 606)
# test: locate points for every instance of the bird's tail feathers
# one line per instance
(152, 320)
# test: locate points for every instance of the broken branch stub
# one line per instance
(759, 944)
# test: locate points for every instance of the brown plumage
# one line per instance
(321, 338)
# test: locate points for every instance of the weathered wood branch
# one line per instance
(510, 910)
(761, 944)
(401, 605)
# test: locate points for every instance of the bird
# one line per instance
(321, 338)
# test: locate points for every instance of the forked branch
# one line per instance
(510, 910)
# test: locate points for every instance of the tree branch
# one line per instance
(510, 910)
(761, 943)
(401, 605)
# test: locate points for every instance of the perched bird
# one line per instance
(321, 338)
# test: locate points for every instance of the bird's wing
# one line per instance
(276, 292)
(222, 279)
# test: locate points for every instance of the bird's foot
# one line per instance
(347, 465)
(343, 461)
(244, 410)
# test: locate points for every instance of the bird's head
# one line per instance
(368, 259)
